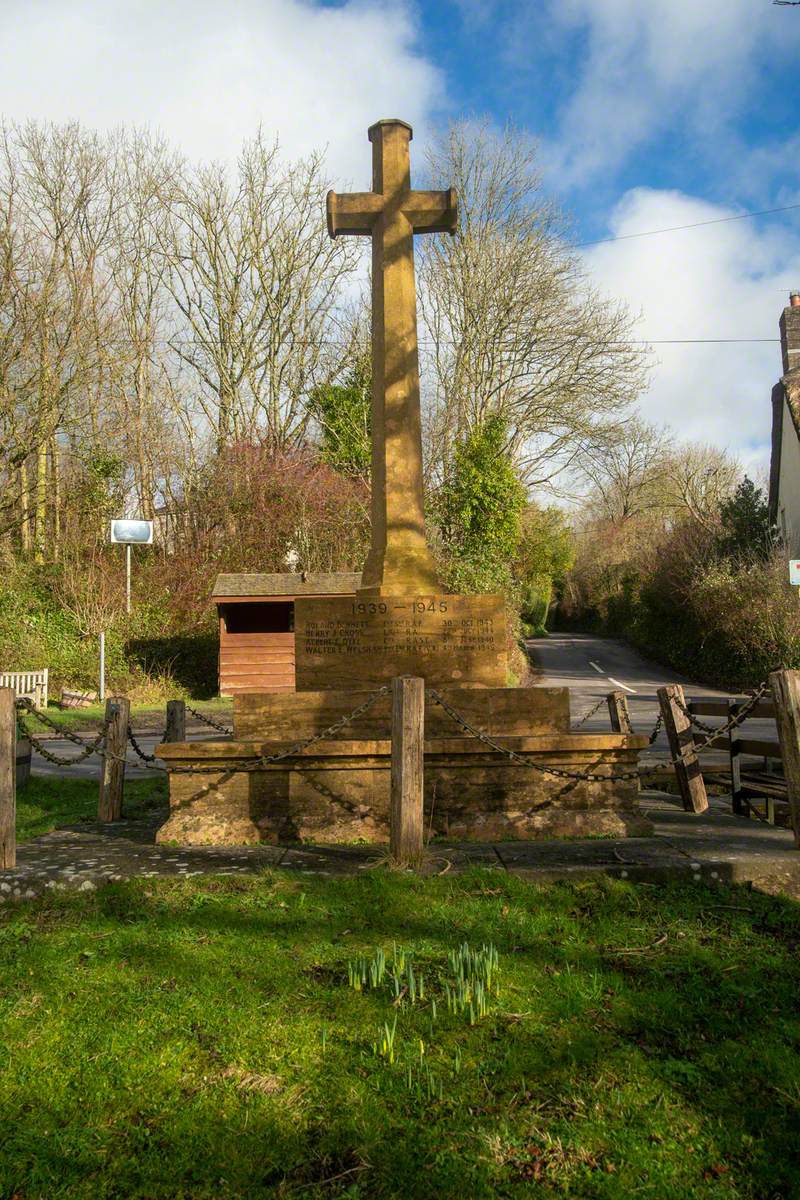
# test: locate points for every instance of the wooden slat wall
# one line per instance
(255, 662)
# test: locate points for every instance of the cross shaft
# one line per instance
(399, 561)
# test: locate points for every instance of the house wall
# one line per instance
(788, 506)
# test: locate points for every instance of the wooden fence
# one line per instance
(27, 685)
(769, 784)
(406, 825)
(15, 762)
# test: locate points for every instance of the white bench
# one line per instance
(28, 685)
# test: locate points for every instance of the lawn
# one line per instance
(199, 1038)
(48, 801)
(150, 717)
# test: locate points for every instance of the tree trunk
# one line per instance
(40, 513)
(55, 468)
(24, 509)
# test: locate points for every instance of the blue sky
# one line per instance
(649, 113)
(624, 94)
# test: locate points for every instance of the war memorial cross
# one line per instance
(399, 561)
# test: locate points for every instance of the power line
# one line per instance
(697, 341)
(624, 237)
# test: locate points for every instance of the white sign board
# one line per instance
(132, 533)
(794, 571)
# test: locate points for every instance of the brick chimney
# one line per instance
(790, 334)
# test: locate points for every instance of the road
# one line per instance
(592, 666)
(90, 768)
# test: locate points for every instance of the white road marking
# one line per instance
(622, 685)
(599, 670)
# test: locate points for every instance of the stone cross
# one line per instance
(399, 561)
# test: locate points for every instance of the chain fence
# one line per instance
(97, 745)
(714, 735)
(625, 718)
(601, 703)
(25, 708)
(137, 749)
(209, 721)
(265, 760)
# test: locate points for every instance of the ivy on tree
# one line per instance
(343, 413)
(479, 509)
(746, 528)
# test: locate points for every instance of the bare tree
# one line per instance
(628, 470)
(144, 393)
(56, 202)
(255, 280)
(511, 324)
(698, 479)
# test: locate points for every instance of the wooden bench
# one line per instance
(752, 787)
(27, 685)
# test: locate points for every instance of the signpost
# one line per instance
(794, 571)
(127, 534)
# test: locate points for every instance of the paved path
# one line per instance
(713, 847)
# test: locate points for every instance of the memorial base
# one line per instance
(338, 790)
(344, 641)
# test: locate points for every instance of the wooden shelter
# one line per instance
(256, 626)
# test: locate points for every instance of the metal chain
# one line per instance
(693, 720)
(737, 719)
(588, 716)
(27, 705)
(146, 758)
(264, 760)
(89, 748)
(209, 721)
(656, 728)
(591, 776)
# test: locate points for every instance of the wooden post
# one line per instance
(176, 721)
(681, 744)
(618, 712)
(408, 736)
(8, 780)
(738, 806)
(112, 778)
(786, 696)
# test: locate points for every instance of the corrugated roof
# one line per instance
(289, 584)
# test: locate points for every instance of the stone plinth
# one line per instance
(338, 789)
(344, 642)
(267, 717)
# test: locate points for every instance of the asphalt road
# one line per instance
(592, 666)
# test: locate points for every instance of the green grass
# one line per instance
(46, 802)
(151, 716)
(198, 1038)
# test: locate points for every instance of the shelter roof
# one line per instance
(292, 583)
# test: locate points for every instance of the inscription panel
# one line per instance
(342, 641)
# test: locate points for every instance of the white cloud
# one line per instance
(648, 66)
(207, 74)
(722, 281)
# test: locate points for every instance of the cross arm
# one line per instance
(353, 213)
(432, 212)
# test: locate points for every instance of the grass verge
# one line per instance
(48, 801)
(143, 716)
(198, 1038)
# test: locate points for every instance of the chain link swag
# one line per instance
(209, 721)
(256, 764)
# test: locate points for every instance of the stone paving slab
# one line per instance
(714, 847)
